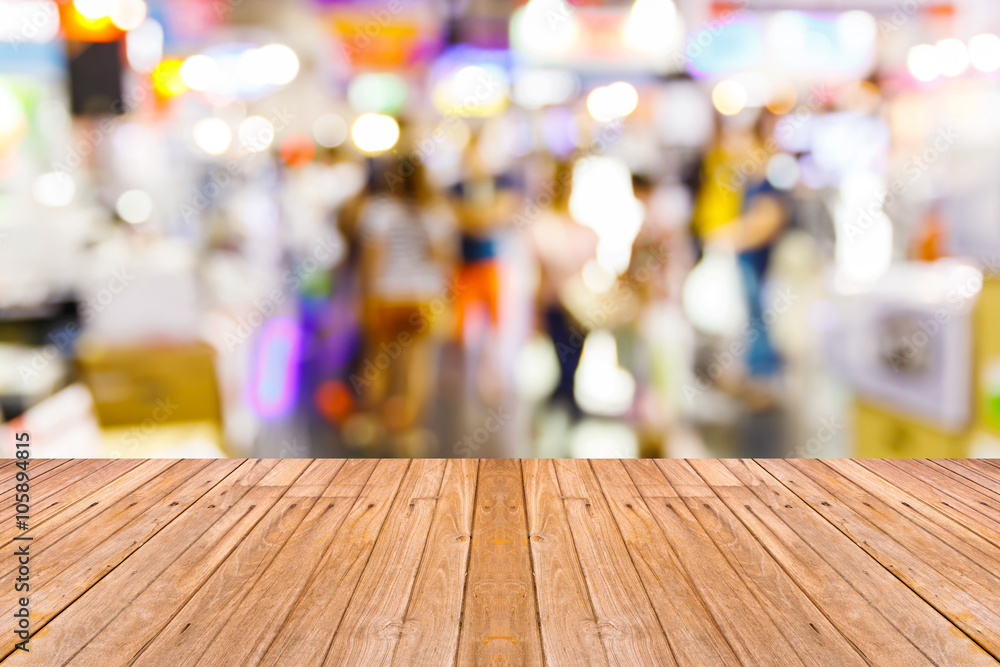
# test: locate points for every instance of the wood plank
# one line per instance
(430, 627)
(566, 616)
(937, 472)
(932, 502)
(955, 533)
(978, 471)
(908, 559)
(67, 633)
(51, 501)
(50, 533)
(89, 554)
(147, 614)
(927, 629)
(500, 623)
(186, 636)
(694, 636)
(939, 547)
(43, 472)
(959, 478)
(307, 633)
(373, 621)
(860, 622)
(811, 634)
(630, 629)
(255, 622)
(749, 630)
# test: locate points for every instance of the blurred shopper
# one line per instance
(562, 247)
(762, 217)
(407, 246)
(486, 203)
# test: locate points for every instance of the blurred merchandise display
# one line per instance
(515, 228)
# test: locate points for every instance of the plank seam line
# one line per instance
(628, 552)
(84, 591)
(909, 520)
(960, 507)
(531, 561)
(333, 635)
(315, 570)
(964, 480)
(416, 573)
(253, 576)
(10, 540)
(105, 509)
(291, 534)
(221, 562)
(684, 569)
(576, 552)
(468, 564)
(876, 560)
(741, 575)
(788, 574)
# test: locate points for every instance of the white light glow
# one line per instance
(144, 46)
(602, 199)
(953, 57)
(534, 89)
(95, 9)
(783, 171)
(330, 130)
(984, 52)
(53, 189)
(651, 27)
(274, 64)
(713, 295)
(31, 21)
(546, 27)
(200, 72)
(280, 64)
(922, 61)
(374, 133)
(729, 97)
(212, 135)
(134, 206)
(256, 134)
(536, 371)
(600, 386)
(128, 14)
(614, 101)
(864, 233)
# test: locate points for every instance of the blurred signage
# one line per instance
(594, 38)
(874, 6)
(383, 36)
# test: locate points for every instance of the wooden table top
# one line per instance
(502, 561)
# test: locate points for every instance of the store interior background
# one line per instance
(594, 228)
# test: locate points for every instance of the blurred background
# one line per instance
(554, 228)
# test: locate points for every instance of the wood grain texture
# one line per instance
(753, 637)
(921, 623)
(911, 555)
(306, 635)
(430, 627)
(570, 634)
(500, 622)
(631, 632)
(693, 634)
(373, 621)
(307, 562)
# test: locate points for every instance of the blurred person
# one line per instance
(406, 240)
(762, 216)
(561, 247)
(486, 203)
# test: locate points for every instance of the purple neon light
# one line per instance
(274, 390)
